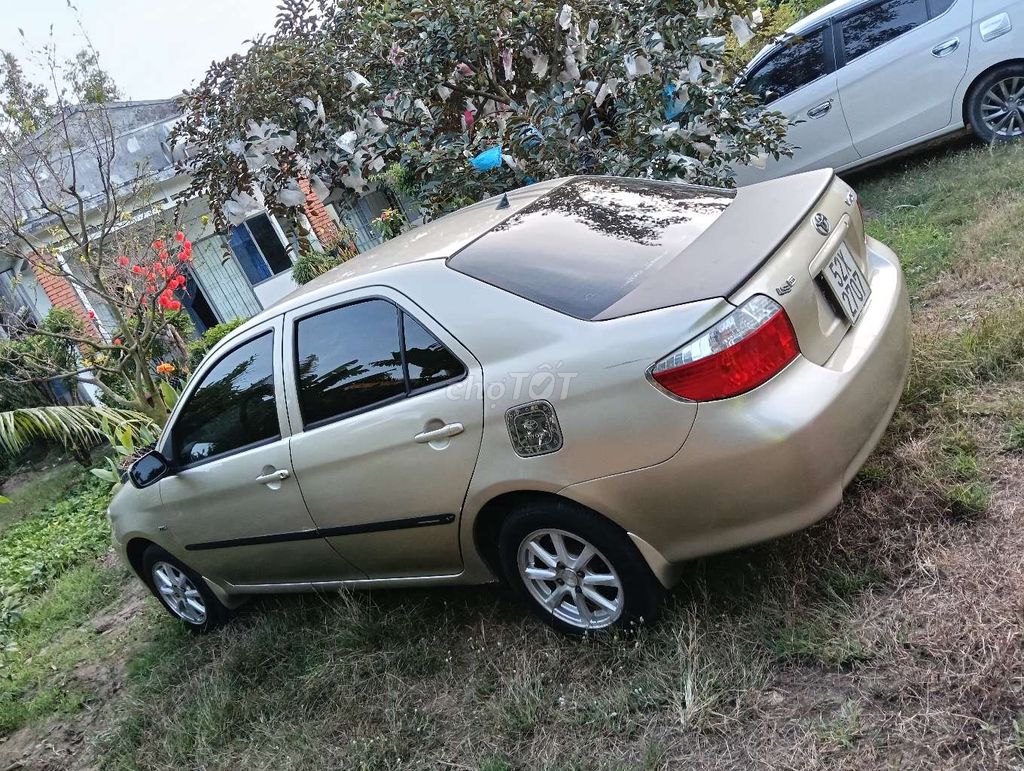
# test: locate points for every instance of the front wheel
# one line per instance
(578, 572)
(996, 105)
(183, 592)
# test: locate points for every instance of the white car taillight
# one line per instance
(740, 352)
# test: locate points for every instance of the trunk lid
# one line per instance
(794, 274)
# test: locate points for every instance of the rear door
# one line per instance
(798, 79)
(233, 501)
(900, 62)
(383, 445)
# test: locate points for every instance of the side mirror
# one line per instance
(149, 469)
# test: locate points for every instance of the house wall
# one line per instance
(61, 294)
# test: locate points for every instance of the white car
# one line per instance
(864, 80)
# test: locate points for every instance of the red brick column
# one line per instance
(324, 227)
(60, 291)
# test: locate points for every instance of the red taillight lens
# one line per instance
(740, 352)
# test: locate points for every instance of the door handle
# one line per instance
(452, 429)
(821, 110)
(274, 476)
(945, 49)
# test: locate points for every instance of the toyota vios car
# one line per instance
(574, 387)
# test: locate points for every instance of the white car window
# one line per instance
(798, 61)
(876, 25)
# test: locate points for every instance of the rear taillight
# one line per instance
(740, 352)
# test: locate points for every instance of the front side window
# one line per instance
(259, 249)
(351, 358)
(799, 61)
(877, 25)
(233, 406)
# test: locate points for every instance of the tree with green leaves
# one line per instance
(472, 98)
(67, 212)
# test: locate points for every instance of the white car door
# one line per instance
(798, 80)
(900, 62)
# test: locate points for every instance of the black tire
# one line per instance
(642, 593)
(215, 613)
(976, 100)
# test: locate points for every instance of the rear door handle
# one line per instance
(452, 429)
(945, 49)
(821, 110)
(274, 476)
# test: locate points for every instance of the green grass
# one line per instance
(921, 206)
(39, 491)
(45, 647)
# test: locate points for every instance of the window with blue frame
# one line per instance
(259, 249)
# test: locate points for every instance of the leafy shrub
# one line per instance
(314, 263)
(36, 550)
(197, 349)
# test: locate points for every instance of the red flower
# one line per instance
(92, 314)
(117, 341)
(163, 255)
(158, 244)
(137, 269)
(123, 260)
(179, 236)
(175, 305)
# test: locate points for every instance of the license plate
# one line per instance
(848, 285)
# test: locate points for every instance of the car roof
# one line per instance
(808, 22)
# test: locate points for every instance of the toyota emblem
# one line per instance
(821, 224)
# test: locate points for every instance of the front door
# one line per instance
(383, 448)
(798, 80)
(233, 502)
(900, 71)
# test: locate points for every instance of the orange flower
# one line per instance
(165, 368)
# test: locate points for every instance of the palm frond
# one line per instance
(70, 425)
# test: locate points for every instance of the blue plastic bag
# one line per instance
(488, 160)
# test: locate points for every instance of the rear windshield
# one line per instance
(588, 243)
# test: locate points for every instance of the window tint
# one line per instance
(622, 232)
(870, 28)
(799, 61)
(348, 358)
(233, 406)
(427, 360)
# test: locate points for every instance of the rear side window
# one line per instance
(233, 407)
(427, 360)
(872, 27)
(351, 358)
(799, 61)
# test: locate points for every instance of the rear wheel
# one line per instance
(578, 572)
(995, 108)
(182, 591)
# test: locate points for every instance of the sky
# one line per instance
(152, 48)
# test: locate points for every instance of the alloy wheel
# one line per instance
(571, 578)
(179, 593)
(1002, 107)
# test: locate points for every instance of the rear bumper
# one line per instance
(776, 459)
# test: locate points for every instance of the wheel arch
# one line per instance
(487, 526)
(133, 551)
(969, 93)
